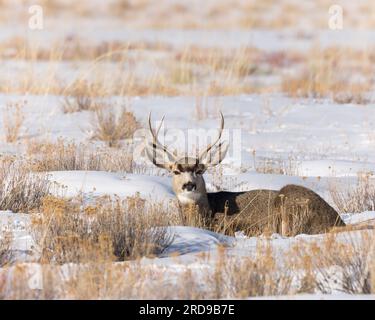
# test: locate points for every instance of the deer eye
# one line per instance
(199, 172)
(176, 172)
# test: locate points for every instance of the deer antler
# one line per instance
(156, 145)
(211, 145)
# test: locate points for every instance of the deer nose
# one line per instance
(190, 186)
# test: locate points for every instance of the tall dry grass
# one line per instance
(108, 230)
(355, 199)
(333, 264)
(79, 98)
(337, 263)
(259, 275)
(20, 189)
(280, 165)
(341, 74)
(111, 125)
(233, 14)
(13, 118)
(5, 247)
(67, 155)
(192, 71)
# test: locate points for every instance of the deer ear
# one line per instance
(158, 157)
(215, 155)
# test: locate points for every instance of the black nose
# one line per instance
(189, 186)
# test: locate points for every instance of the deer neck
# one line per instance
(197, 202)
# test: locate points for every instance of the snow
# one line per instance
(159, 188)
(18, 224)
(186, 240)
(97, 183)
(325, 143)
(328, 148)
(320, 141)
(270, 40)
(194, 240)
(357, 218)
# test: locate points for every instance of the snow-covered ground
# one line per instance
(322, 138)
(327, 144)
(185, 252)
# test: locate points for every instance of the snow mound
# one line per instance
(99, 183)
(354, 218)
(193, 240)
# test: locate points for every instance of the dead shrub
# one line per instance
(328, 73)
(250, 276)
(5, 247)
(191, 217)
(227, 278)
(13, 119)
(110, 229)
(328, 266)
(79, 97)
(67, 155)
(112, 125)
(276, 165)
(340, 262)
(20, 189)
(355, 199)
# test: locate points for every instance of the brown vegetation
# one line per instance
(20, 189)
(68, 155)
(108, 230)
(112, 125)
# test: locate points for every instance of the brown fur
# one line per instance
(261, 211)
(249, 211)
(305, 211)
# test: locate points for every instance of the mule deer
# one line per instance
(289, 211)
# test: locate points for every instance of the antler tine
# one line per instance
(161, 123)
(211, 145)
(155, 141)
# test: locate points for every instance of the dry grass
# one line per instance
(20, 189)
(71, 49)
(5, 246)
(79, 99)
(332, 264)
(67, 155)
(216, 71)
(191, 217)
(13, 119)
(233, 14)
(358, 199)
(204, 110)
(192, 71)
(114, 67)
(259, 275)
(228, 278)
(329, 73)
(240, 62)
(111, 125)
(196, 71)
(338, 263)
(279, 165)
(109, 230)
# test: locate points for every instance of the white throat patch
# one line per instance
(188, 197)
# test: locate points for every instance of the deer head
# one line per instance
(187, 172)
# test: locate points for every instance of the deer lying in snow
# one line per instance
(289, 211)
